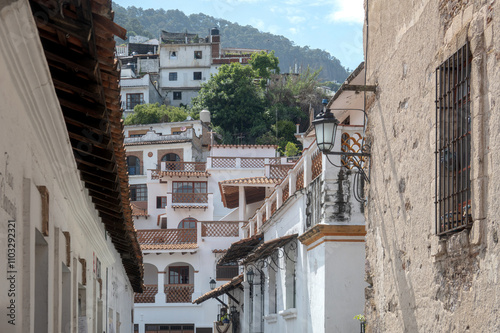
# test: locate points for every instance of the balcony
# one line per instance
(167, 239)
(174, 293)
(189, 198)
(184, 166)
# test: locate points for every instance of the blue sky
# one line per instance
(332, 25)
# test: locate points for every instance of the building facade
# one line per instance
(70, 258)
(432, 248)
(182, 224)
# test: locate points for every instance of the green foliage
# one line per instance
(235, 103)
(360, 317)
(264, 64)
(291, 149)
(155, 113)
(332, 85)
(151, 22)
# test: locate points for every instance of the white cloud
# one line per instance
(296, 19)
(293, 31)
(350, 11)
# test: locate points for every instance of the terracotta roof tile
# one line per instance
(139, 208)
(219, 251)
(154, 142)
(240, 249)
(190, 206)
(251, 181)
(243, 146)
(158, 174)
(169, 247)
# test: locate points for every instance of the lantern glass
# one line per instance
(233, 309)
(250, 275)
(325, 126)
(212, 284)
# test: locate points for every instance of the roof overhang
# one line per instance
(78, 42)
(225, 288)
(266, 249)
(240, 249)
(254, 188)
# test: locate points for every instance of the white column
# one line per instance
(160, 296)
(242, 204)
(279, 196)
(307, 169)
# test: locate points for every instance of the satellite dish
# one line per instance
(183, 129)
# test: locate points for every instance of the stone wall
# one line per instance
(421, 282)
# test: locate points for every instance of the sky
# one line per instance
(332, 25)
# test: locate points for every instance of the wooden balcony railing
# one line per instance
(184, 166)
(148, 295)
(166, 236)
(189, 197)
(179, 293)
(220, 229)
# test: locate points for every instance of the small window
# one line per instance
(453, 144)
(170, 157)
(133, 100)
(172, 76)
(161, 202)
(178, 275)
(177, 95)
(133, 165)
(139, 192)
(173, 54)
(197, 76)
(197, 54)
(227, 271)
(187, 223)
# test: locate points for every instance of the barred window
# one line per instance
(196, 75)
(453, 143)
(172, 76)
(177, 95)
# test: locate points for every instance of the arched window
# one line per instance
(187, 223)
(170, 157)
(133, 165)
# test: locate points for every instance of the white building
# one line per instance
(304, 244)
(182, 224)
(69, 254)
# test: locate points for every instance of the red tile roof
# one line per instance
(233, 284)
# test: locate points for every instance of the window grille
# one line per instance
(177, 95)
(453, 143)
(161, 202)
(197, 54)
(172, 76)
(196, 75)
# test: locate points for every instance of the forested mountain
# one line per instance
(149, 22)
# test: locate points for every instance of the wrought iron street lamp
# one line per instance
(325, 126)
(250, 276)
(212, 284)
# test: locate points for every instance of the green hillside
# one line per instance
(149, 22)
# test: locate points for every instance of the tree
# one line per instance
(156, 113)
(264, 64)
(236, 104)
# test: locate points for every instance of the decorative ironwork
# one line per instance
(300, 179)
(148, 294)
(286, 191)
(179, 293)
(453, 143)
(166, 236)
(252, 162)
(352, 144)
(223, 162)
(220, 229)
(184, 166)
(317, 164)
(279, 170)
(189, 197)
(274, 261)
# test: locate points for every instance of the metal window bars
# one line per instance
(453, 143)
